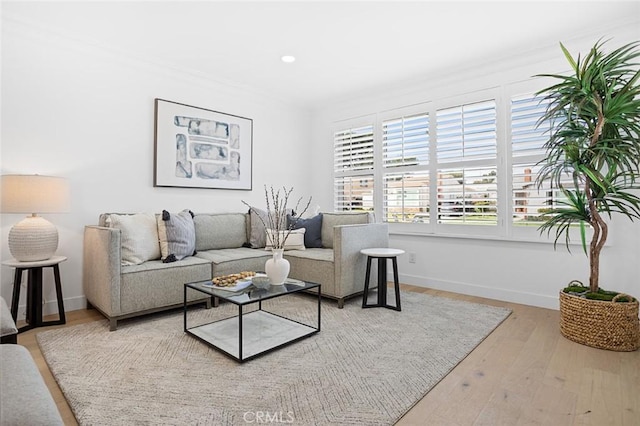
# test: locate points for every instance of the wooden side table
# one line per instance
(382, 254)
(34, 291)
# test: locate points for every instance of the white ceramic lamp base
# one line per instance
(33, 238)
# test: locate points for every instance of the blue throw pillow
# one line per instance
(313, 229)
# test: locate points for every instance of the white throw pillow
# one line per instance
(295, 240)
(138, 236)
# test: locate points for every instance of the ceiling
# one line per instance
(341, 47)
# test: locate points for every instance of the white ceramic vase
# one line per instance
(277, 268)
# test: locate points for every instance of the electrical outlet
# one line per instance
(412, 258)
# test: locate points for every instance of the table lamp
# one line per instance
(33, 238)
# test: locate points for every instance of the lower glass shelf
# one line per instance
(262, 332)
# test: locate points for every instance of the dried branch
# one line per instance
(277, 202)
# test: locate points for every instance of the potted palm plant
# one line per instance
(593, 159)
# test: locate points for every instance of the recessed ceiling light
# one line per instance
(288, 59)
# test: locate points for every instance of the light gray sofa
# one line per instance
(123, 291)
(24, 396)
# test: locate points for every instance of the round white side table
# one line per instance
(34, 291)
(382, 254)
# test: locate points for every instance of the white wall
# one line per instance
(86, 113)
(523, 272)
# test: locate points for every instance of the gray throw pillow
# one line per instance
(313, 227)
(258, 234)
(177, 234)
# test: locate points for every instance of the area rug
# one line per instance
(365, 367)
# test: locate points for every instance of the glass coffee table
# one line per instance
(248, 335)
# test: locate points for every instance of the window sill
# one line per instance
(513, 239)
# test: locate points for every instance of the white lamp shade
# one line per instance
(34, 194)
(34, 238)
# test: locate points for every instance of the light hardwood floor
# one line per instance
(525, 372)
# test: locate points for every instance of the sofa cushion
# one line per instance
(231, 261)
(295, 239)
(155, 284)
(229, 255)
(325, 255)
(138, 236)
(177, 235)
(315, 265)
(329, 220)
(313, 227)
(220, 230)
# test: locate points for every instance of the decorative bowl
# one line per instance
(261, 282)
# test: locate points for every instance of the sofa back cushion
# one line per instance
(220, 230)
(329, 220)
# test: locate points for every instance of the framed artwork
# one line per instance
(201, 148)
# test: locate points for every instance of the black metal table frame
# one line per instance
(382, 283)
(34, 297)
(240, 358)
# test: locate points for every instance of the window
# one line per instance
(466, 138)
(527, 141)
(353, 193)
(353, 169)
(406, 197)
(467, 196)
(457, 166)
(405, 160)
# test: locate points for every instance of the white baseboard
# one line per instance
(50, 307)
(506, 295)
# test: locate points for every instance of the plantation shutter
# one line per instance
(353, 169)
(406, 197)
(405, 160)
(528, 136)
(353, 149)
(467, 132)
(467, 190)
(405, 141)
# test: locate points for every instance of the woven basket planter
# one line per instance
(599, 324)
